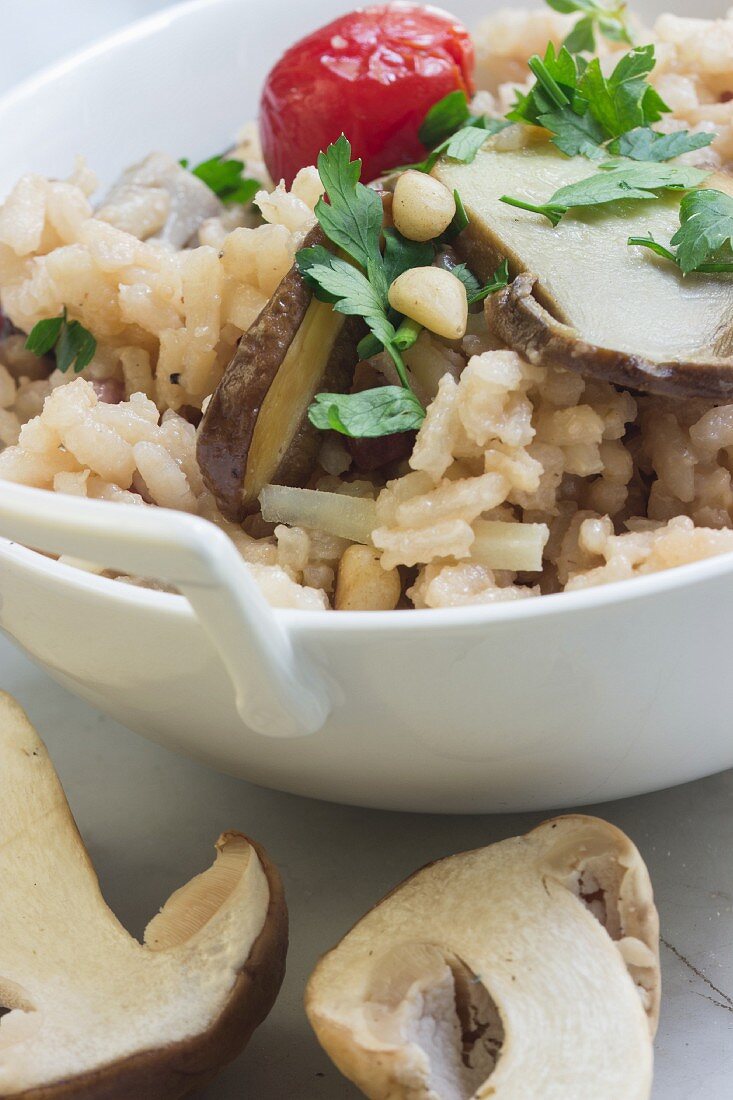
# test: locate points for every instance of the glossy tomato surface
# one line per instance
(371, 75)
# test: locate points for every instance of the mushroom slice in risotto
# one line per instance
(585, 300)
(256, 429)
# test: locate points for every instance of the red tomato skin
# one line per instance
(372, 75)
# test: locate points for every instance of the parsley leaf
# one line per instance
(575, 135)
(555, 89)
(352, 217)
(704, 241)
(401, 254)
(335, 280)
(616, 182)
(706, 227)
(474, 291)
(461, 133)
(225, 178)
(44, 334)
(368, 414)
(625, 99)
(467, 277)
(465, 144)
(643, 143)
(74, 345)
(609, 19)
(589, 114)
(582, 38)
(444, 118)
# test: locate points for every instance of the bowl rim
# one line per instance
(474, 616)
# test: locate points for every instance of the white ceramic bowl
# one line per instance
(559, 701)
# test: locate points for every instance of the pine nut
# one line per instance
(434, 298)
(422, 207)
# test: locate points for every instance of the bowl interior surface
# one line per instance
(184, 81)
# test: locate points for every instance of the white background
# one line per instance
(149, 818)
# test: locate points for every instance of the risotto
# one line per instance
(519, 477)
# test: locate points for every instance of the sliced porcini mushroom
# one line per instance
(526, 969)
(587, 301)
(256, 430)
(85, 1010)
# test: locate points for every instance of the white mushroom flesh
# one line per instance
(487, 975)
(82, 993)
(588, 277)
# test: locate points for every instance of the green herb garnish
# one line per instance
(499, 280)
(554, 100)
(591, 115)
(609, 20)
(704, 241)
(454, 132)
(459, 222)
(73, 344)
(225, 177)
(369, 414)
(614, 183)
(405, 336)
(444, 118)
(401, 254)
(357, 284)
(474, 290)
(625, 99)
(649, 145)
(351, 292)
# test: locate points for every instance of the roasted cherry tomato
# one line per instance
(372, 75)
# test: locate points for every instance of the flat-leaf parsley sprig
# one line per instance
(357, 285)
(356, 282)
(73, 344)
(591, 115)
(704, 241)
(615, 182)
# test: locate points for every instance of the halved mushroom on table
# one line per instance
(86, 1011)
(256, 430)
(528, 969)
(584, 299)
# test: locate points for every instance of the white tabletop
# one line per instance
(149, 818)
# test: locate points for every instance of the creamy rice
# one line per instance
(627, 484)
